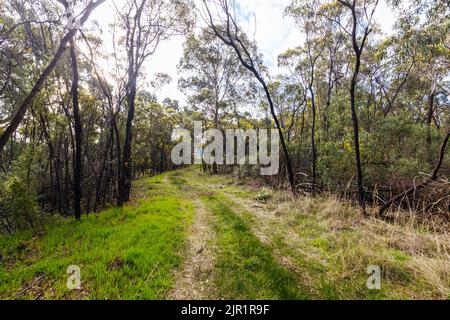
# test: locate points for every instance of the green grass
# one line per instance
(245, 268)
(131, 253)
(329, 246)
(126, 253)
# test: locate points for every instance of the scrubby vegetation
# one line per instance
(361, 110)
(286, 248)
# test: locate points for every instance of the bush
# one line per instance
(17, 205)
(263, 195)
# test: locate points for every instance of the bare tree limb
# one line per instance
(414, 188)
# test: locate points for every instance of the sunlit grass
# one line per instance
(279, 248)
(245, 268)
(123, 253)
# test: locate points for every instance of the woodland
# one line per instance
(363, 118)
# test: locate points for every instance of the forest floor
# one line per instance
(188, 235)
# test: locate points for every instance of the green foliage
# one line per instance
(17, 206)
(263, 195)
(18, 203)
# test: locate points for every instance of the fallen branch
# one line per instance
(420, 186)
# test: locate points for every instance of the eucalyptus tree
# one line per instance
(426, 42)
(211, 75)
(356, 19)
(306, 17)
(145, 24)
(20, 113)
(225, 28)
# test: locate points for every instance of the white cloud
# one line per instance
(273, 32)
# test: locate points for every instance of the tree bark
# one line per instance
(358, 52)
(429, 121)
(134, 47)
(78, 128)
(313, 140)
(126, 176)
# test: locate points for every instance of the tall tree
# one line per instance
(146, 24)
(27, 102)
(78, 128)
(361, 22)
(230, 34)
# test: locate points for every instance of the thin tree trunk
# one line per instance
(126, 176)
(78, 128)
(361, 193)
(313, 140)
(429, 121)
(358, 51)
(23, 108)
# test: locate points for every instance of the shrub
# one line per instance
(17, 205)
(263, 195)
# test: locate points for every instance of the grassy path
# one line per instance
(230, 262)
(187, 235)
(246, 268)
(194, 280)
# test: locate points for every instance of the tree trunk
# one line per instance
(429, 121)
(20, 114)
(358, 51)
(313, 140)
(126, 176)
(361, 193)
(290, 171)
(78, 128)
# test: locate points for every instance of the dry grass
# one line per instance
(332, 245)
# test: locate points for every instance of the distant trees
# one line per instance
(213, 78)
(212, 75)
(229, 32)
(314, 47)
(360, 114)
